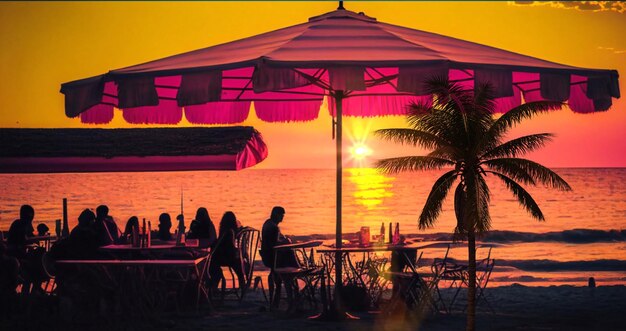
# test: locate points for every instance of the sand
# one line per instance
(516, 308)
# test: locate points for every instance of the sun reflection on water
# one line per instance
(371, 187)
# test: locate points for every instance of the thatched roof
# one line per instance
(110, 143)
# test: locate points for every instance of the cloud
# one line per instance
(612, 50)
(596, 6)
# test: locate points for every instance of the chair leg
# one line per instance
(259, 281)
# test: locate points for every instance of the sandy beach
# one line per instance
(516, 308)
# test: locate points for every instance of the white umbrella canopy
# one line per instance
(364, 67)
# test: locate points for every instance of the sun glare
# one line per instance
(360, 151)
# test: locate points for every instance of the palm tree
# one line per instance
(459, 128)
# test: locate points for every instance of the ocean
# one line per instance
(584, 234)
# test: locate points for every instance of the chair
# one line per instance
(247, 242)
(306, 271)
(170, 283)
(412, 288)
(484, 268)
(449, 271)
(49, 286)
(457, 275)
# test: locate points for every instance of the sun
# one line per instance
(360, 151)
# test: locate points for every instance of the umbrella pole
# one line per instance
(339, 180)
(336, 311)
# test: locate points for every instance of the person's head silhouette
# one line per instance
(202, 215)
(42, 229)
(86, 218)
(102, 212)
(228, 222)
(165, 222)
(278, 213)
(132, 221)
(27, 213)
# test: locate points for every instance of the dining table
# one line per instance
(162, 249)
(41, 241)
(366, 266)
(142, 285)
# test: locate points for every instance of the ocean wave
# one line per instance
(534, 279)
(551, 265)
(509, 266)
(574, 236)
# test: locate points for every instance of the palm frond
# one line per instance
(518, 146)
(412, 137)
(524, 198)
(412, 163)
(484, 98)
(432, 207)
(535, 170)
(515, 116)
(447, 152)
(510, 169)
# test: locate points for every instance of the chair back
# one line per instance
(247, 242)
(305, 257)
(483, 271)
(211, 251)
(439, 264)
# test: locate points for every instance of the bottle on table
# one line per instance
(396, 234)
(135, 236)
(390, 234)
(180, 232)
(143, 233)
(149, 235)
(382, 233)
(57, 228)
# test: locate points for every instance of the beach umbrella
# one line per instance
(364, 67)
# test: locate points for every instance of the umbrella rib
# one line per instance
(315, 80)
(243, 91)
(386, 79)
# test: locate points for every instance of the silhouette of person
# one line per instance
(226, 253)
(21, 229)
(202, 228)
(30, 258)
(165, 224)
(127, 236)
(105, 226)
(270, 237)
(42, 229)
(83, 238)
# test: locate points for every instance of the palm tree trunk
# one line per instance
(471, 290)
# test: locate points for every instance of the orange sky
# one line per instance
(45, 44)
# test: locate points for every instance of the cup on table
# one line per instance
(364, 237)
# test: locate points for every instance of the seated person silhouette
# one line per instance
(106, 229)
(83, 238)
(21, 229)
(127, 236)
(202, 228)
(227, 253)
(270, 237)
(29, 257)
(165, 224)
